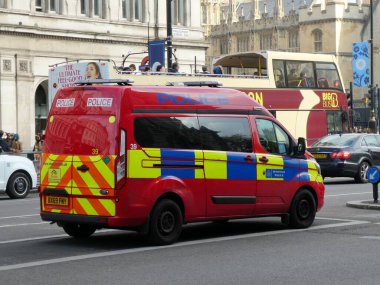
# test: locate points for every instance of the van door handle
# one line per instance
(263, 159)
(83, 168)
(248, 158)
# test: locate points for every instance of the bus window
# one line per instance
(278, 73)
(327, 76)
(334, 122)
(300, 74)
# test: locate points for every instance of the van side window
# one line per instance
(272, 137)
(167, 132)
(226, 134)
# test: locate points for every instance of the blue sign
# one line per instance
(275, 173)
(373, 175)
(360, 60)
(156, 52)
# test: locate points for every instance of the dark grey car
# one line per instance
(347, 155)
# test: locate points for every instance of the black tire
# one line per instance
(165, 225)
(78, 230)
(361, 176)
(303, 210)
(18, 186)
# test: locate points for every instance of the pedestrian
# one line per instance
(218, 70)
(204, 70)
(132, 67)
(37, 148)
(3, 145)
(16, 144)
(175, 68)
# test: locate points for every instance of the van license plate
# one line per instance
(320, 155)
(55, 200)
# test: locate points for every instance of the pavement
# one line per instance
(366, 204)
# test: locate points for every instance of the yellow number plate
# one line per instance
(59, 201)
(320, 155)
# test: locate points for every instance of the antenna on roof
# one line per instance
(195, 83)
(123, 82)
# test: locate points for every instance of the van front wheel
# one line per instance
(165, 223)
(303, 210)
(78, 230)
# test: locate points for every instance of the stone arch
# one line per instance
(41, 107)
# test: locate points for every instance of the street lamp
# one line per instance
(169, 32)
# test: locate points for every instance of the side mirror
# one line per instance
(301, 146)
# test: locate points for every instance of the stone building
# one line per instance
(36, 34)
(321, 26)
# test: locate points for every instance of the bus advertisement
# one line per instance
(304, 91)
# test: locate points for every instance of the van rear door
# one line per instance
(81, 151)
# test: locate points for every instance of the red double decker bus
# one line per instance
(304, 91)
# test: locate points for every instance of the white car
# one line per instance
(17, 175)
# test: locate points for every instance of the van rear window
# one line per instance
(81, 135)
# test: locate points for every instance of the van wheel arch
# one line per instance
(175, 198)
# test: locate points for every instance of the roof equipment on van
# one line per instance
(196, 83)
(105, 81)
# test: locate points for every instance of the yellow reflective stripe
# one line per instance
(107, 174)
(109, 205)
(87, 206)
(215, 165)
(198, 160)
(262, 167)
(135, 167)
(86, 176)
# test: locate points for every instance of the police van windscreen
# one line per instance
(81, 135)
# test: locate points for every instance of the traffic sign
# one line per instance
(373, 175)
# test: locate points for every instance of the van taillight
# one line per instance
(121, 161)
(340, 155)
(120, 168)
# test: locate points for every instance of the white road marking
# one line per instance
(49, 237)
(22, 216)
(26, 224)
(348, 194)
(179, 244)
(371, 237)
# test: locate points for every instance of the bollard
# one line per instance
(373, 176)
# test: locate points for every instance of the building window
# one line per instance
(85, 7)
(39, 4)
(48, 6)
(224, 46)
(242, 44)
(125, 5)
(179, 12)
(3, 3)
(317, 35)
(133, 10)
(293, 40)
(266, 41)
(98, 8)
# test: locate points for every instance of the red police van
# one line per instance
(155, 158)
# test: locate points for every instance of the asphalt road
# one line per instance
(342, 247)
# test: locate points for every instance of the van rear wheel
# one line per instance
(78, 230)
(303, 210)
(165, 225)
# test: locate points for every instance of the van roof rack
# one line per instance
(105, 81)
(195, 83)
